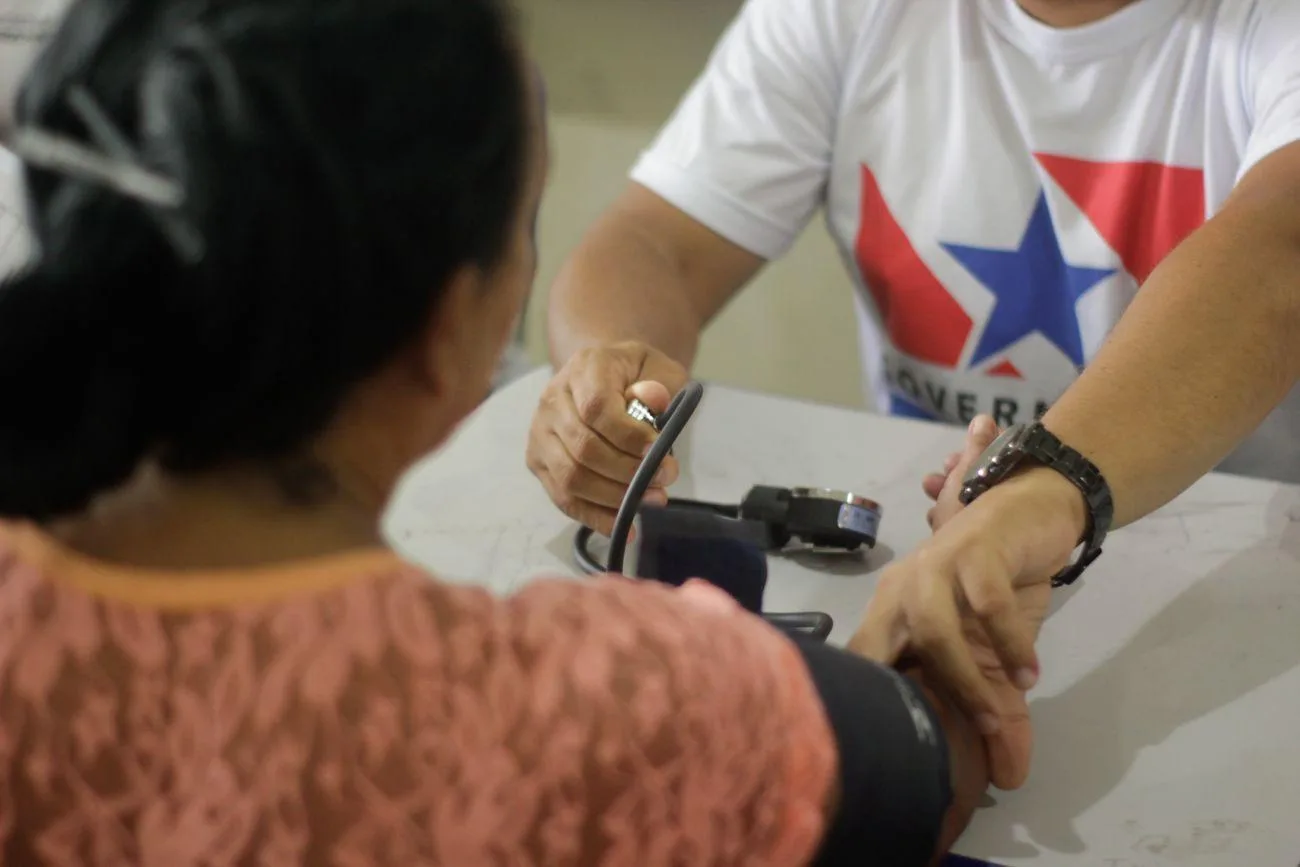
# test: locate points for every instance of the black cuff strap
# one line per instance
(895, 784)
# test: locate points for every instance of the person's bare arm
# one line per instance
(968, 763)
(968, 768)
(1207, 349)
(1203, 354)
(646, 272)
(625, 318)
(730, 181)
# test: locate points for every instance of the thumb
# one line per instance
(1010, 750)
(979, 436)
(705, 596)
(653, 394)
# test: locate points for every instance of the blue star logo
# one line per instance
(1035, 289)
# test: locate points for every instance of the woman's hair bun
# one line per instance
(75, 417)
(340, 160)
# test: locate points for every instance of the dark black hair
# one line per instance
(340, 159)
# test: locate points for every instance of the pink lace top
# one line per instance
(354, 712)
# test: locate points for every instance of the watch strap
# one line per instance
(1045, 448)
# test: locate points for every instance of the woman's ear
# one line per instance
(449, 348)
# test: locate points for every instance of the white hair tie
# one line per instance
(116, 168)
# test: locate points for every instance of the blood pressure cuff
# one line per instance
(895, 783)
(676, 545)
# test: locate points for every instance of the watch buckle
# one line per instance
(1071, 573)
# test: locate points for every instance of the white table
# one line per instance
(1168, 717)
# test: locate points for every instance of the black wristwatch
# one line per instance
(1031, 442)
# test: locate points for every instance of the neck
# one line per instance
(1072, 13)
(330, 502)
(229, 520)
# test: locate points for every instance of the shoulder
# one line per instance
(628, 647)
(391, 710)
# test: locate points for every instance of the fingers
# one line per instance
(942, 646)
(571, 475)
(993, 602)
(653, 394)
(951, 463)
(589, 447)
(934, 517)
(882, 635)
(947, 500)
(579, 492)
(1010, 751)
(598, 518)
(549, 461)
(936, 636)
(708, 597)
(980, 435)
(599, 396)
(584, 421)
(933, 483)
(583, 446)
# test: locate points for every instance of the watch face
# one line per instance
(988, 458)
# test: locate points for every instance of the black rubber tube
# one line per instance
(814, 624)
(671, 424)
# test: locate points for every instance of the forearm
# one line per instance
(1203, 354)
(969, 774)
(911, 768)
(968, 765)
(621, 284)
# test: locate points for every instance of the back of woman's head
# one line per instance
(338, 160)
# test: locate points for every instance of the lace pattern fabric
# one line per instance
(393, 720)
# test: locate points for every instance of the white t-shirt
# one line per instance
(998, 188)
